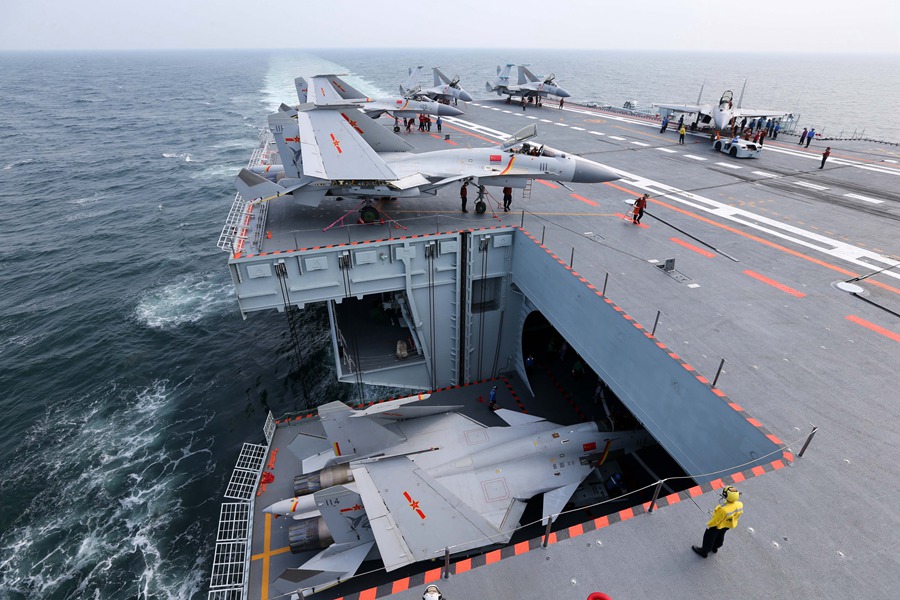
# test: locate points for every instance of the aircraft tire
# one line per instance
(480, 207)
(733, 152)
(368, 214)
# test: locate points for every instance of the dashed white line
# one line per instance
(562, 124)
(811, 186)
(640, 144)
(615, 137)
(596, 133)
(669, 150)
(530, 117)
(764, 174)
(694, 157)
(864, 198)
(578, 128)
(728, 165)
(546, 121)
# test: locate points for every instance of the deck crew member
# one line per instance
(639, 205)
(464, 195)
(507, 198)
(725, 517)
(825, 156)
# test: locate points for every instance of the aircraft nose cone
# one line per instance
(587, 171)
(445, 110)
(562, 93)
(465, 96)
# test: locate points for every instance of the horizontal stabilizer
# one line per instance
(333, 565)
(252, 186)
(516, 418)
(555, 501)
(351, 437)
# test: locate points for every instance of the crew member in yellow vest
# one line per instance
(725, 517)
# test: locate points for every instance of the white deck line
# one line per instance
(669, 150)
(693, 157)
(728, 165)
(864, 198)
(811, 186)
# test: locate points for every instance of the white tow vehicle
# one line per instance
(738, 148)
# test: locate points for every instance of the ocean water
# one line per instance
(129, 380)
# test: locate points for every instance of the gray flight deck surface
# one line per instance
(758, 245)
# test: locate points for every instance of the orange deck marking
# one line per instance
(585, 200)
(521, 548)
(758, 471)
(401, 585)
(692, 247)
(492, 557)
(548, 184)
(873, 327)
(368, 594)
(775, 284)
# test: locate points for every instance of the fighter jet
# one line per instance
(528, 85)
(403, 481)
(329, 150)
(724, 114)
(331, 89)
(445, 89)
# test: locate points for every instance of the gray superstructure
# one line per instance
(757, 246)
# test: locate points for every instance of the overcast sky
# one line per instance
(844, 26)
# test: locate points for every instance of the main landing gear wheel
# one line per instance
(480, 207)
(368, 214)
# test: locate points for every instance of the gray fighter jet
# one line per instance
(330, 150)
(404, 481)
(724, 114)
(445, 89)
(527, 84)
(331, 89)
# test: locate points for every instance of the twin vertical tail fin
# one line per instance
(286, 132)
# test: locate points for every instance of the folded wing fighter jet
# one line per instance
(325, 90)
(330, 149)
(444, 89)
(723, 114)
(527, 84)
(403, 481)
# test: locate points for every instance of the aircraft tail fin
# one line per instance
(700, 95)
(354, 437)
(286, 132)
(411, 81)
(302, 89)
(439, 77)
(526, 76)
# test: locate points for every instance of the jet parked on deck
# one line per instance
(724, 114)
(444, 89)
(331, 89)
(527, 84)
(328, 149)
(403, 481)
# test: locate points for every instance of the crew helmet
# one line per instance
(731, 494)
